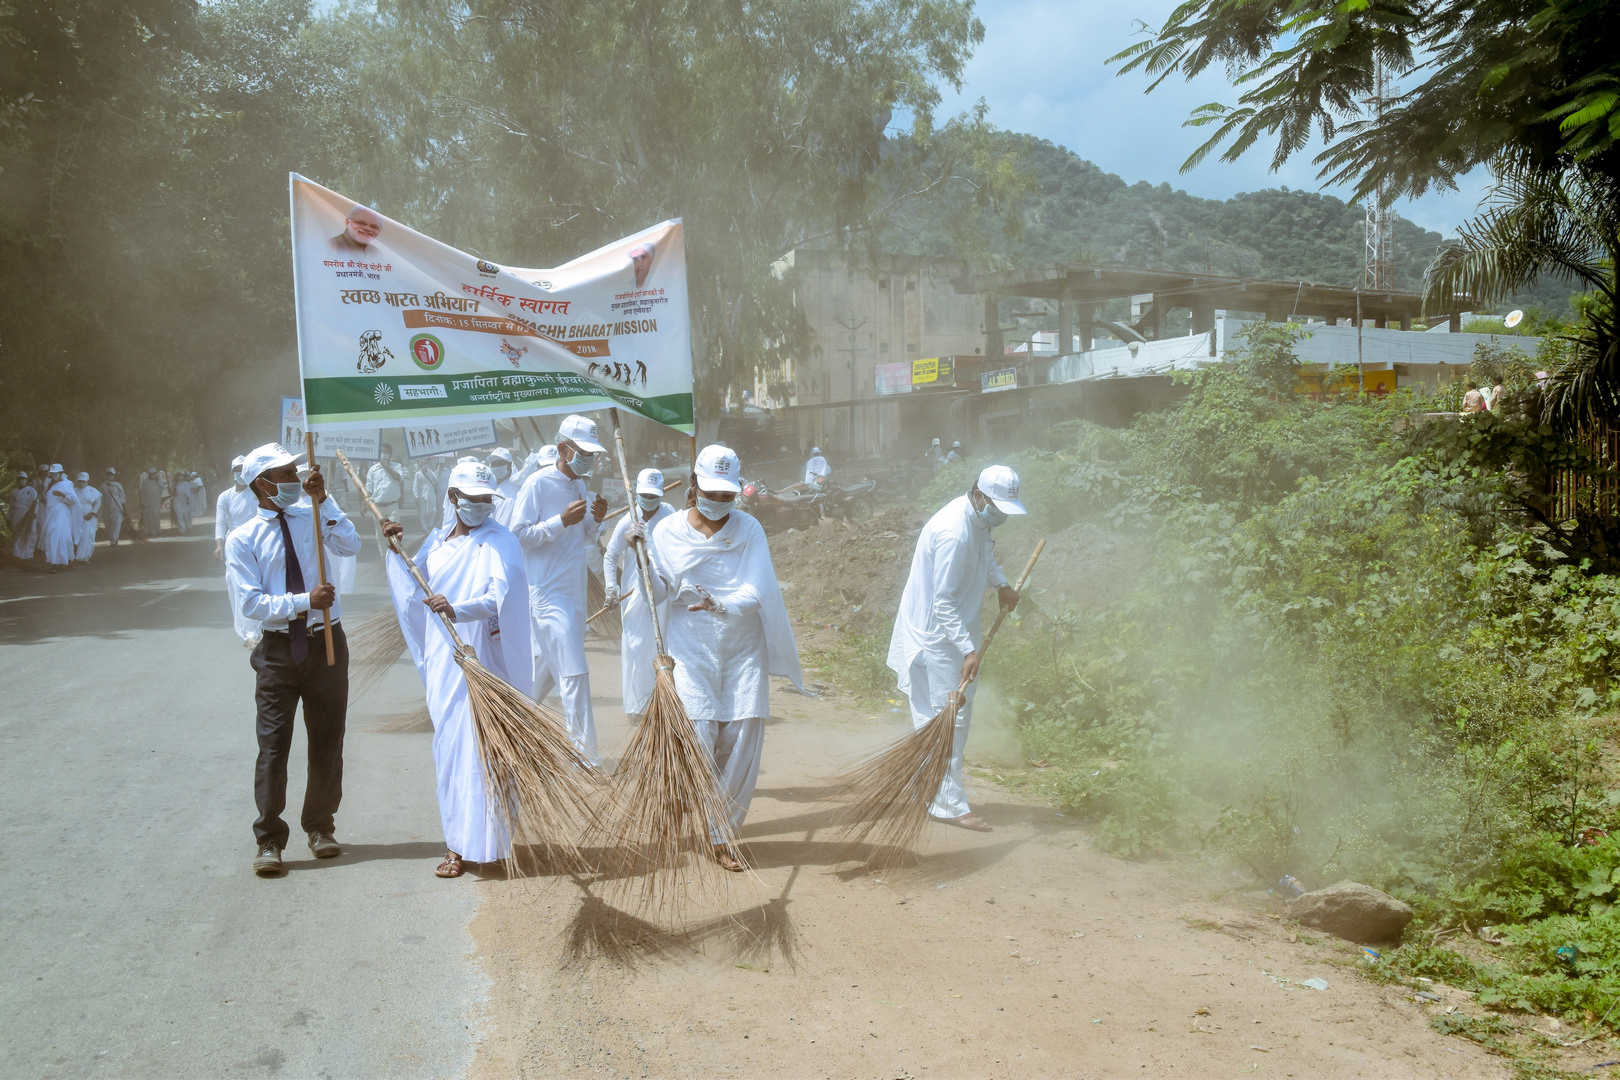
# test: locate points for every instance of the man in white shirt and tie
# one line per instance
(272, 564)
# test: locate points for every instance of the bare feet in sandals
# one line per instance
(450, 867)
(727, 860)
(970, 821)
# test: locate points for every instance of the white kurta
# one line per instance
(506, 493)
(636, 644)
(235, 506)
(61, 508)
(24, 500)
(84, 522)
(816, 469)
(481, 574)
(112, 508)
(723, 663)
(555, 559)
(938, 625)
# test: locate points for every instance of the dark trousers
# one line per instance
(325, 694)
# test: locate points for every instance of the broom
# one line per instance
(538, 784)
(668, 803)
(890, 793)
(375, 643)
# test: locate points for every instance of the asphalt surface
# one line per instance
(137, 942)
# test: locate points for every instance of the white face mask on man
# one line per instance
(474, 514)
(713, 509)
(582, 463)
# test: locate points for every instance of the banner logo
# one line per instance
(383, 394)
(427, 351)
(373, 353)
(488, 269)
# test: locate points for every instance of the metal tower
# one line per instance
(1379, 260)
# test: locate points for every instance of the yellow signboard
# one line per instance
(1317, 384)
(925, 371)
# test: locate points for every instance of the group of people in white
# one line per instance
(55, 519)
(506, 559)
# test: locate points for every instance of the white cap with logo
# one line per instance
(581, 431)
(547, 455)
(718, 468)
(472, 478)
(501, 453)
(649, 482)
(269, 456)
(83, 476)
(56, 469)
(1000, 485)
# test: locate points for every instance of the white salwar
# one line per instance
(24, 499)
(61, 508)
(236, 506)
(636, 644)
(555, 558)
(723, 662)
(481, 574)
(938, 625)
(84, 523)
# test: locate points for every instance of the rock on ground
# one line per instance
(1353, 911)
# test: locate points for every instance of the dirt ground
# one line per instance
(1022, 952)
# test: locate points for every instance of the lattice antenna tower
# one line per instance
(1379, 263)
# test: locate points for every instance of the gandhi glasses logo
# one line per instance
(427, 351)
(373, 353)
(382, 394)
(488, 269)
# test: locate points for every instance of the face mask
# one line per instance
(501, 471)
(582, 463)
(648, 503)
(992, 515)
(713, 509)
(286, 495)
(473, 514)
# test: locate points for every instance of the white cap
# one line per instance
(1000, 484)
(269, 456)
(464, 458)
(815, 451)
(649, 482)
(581, 431)
(501, 453)
(472, 478)
(111, 471)
(548, 454)
(57, 468)
(83, 476)
(934, 442)
(956, 444)
(236, 462)
(718, 468)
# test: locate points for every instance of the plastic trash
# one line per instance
(1288, 887)
(1315, 984)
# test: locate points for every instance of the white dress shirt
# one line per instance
(255, 560)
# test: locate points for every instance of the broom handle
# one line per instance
(641, 549)
(1002, 614)
(320, 548)
(410, 564)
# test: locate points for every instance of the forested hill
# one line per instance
(1077, 212)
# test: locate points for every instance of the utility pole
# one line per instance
(851, 348)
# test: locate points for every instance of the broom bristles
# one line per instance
(375, 643)
(668, 811)
(889, 794)
(540, 787)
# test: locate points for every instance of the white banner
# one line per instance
(396, 328)
(355, 443)
(434, 439)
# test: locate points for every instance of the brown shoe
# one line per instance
(267, 863)
(323, 845)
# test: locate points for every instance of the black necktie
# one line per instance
(297, 626)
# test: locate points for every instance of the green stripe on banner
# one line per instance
(387, 400)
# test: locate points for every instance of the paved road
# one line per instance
(136, 941)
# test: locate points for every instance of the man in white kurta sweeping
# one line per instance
(24, 518)
(84, 523)
(235, 506)
(935, 644)
(728, 629)
(61, 511)
(475, 568)
(623, 582)
(557, 527)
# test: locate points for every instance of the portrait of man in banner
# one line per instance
(641, 260)
(360, 230)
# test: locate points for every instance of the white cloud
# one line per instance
(1042, 70)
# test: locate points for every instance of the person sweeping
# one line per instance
(475, 571)
(934, 648)
(728, 629)
(636, 651)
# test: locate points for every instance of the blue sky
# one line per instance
(1041, 70)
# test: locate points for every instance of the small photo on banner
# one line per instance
(431, 439)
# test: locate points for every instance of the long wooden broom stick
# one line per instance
(668, 804)
(539, 786)
(890, 793)
(320, 548)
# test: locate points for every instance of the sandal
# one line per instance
(727, 860)
(450, 867)
(970, 821)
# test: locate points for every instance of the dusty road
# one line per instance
(138, 944)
